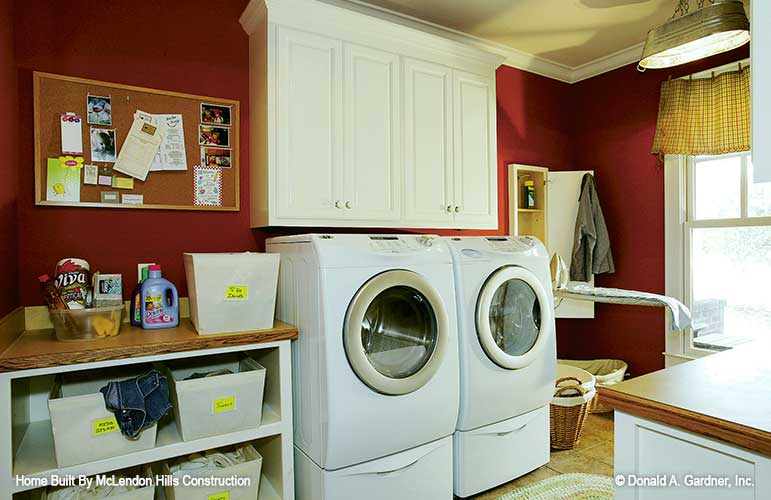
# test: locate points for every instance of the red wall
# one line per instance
(9, 296)
(195, 46)
(612, 135)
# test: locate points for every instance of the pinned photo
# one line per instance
(215, 113)
(103, 144)
(99, 110)
(213, 136)
(216, 157)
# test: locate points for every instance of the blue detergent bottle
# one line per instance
(160, 302)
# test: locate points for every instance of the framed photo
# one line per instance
(217, 114)
(103, 144)
(99, 110)
(216, 157)
(210, 135)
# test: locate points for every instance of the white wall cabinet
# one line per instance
(761, 100)
(358, 121)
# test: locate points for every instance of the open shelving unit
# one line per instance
(26, 439)
(528, 221)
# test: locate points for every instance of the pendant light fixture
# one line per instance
(718, 27)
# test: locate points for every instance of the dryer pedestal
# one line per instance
(494, 454)
(421, 473)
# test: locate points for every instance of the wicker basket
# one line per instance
(606, 371)
(568, 417)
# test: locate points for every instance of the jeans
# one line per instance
(137, 402)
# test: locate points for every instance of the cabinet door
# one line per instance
(309, 125)
(427, 143)
(761, 100)
(372, 130)
(476, 174)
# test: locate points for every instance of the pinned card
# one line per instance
(90, 174)
(123, 182)
(105, 175)
(110, 197)
(63, 179)
(72, 133)
(132, 199)
(208, 186)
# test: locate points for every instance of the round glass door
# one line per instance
(514, 317)
(396, 332)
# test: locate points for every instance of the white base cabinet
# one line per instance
(357, 121)
(657, 462)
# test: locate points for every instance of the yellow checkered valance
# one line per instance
(704, 116)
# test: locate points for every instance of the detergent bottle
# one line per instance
(159, 301)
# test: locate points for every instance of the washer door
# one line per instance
(396, 332)
(514, 317)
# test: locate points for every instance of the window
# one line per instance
(721, 236)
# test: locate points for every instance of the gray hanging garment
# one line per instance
(591, 245)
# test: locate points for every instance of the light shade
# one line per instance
(716, 28)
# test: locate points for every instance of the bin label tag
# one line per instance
(225, 495)
(237, 292)
(105, 426)
(224, 404)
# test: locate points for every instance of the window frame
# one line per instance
(679, 179)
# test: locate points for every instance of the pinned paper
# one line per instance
(72, 133)
(123, 182)
(139, 148)
(99, 109)
(63, 179)
(109, 197)
(208, 186)
(102, 144)
(90, 174)
(171, 155)
(132, 199)
(105, 175)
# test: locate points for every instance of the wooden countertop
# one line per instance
(726, 396)
(40, 349)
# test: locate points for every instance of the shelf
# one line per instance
(36, 457)
(40, 349)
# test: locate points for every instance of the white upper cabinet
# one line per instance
(761, 99)
(309, 119)
(372, 134)
(358, 121)
(476, 174)
(428, 144)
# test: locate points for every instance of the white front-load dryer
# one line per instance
(507, 342)
(375, 368)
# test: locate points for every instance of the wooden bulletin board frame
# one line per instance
(51, 93)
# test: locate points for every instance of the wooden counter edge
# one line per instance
(9, 363)
(698, 423)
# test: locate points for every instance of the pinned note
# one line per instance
(139, 149)
(72, 133)
(123, 182)
(207, 186)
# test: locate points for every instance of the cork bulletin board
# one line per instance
(55, 95)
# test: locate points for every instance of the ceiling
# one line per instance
(570, 33)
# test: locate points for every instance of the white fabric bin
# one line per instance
(219, 404)
(83, 429)
(231, 292)
(144, 493)
(251, 470)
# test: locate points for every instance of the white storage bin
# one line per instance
(83, 429)
(219, 404)
(251, 470)
(231, 292)
(143, 493)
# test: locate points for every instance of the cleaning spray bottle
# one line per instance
(159, 301)
(135, 311)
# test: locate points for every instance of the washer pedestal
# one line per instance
(494, 454)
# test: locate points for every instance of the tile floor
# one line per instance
(594, 455)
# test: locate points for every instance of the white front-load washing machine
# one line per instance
(508, 359)
(375, 367)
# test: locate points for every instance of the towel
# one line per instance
(591, 244)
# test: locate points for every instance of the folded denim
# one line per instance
(138, 402)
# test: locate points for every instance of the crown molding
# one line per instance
(607, 63)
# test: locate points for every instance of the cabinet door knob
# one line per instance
(348, 205)
(457, 209)
(449, 209)
(338, 204)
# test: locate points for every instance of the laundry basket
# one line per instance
(606, 372)
(569, 406)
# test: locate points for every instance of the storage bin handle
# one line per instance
(560, 390)
(560, 380)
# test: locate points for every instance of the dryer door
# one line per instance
(396, 332)
(514, 317)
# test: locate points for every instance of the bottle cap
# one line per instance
(43, 278)
(154, 267)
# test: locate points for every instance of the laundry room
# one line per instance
(404, 249)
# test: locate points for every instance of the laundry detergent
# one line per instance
(159, 301)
